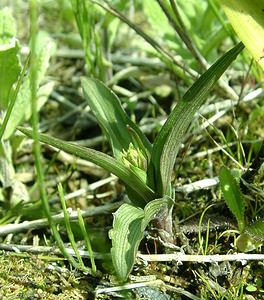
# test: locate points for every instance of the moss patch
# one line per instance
(33, 278)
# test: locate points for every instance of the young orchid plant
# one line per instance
(145, 169)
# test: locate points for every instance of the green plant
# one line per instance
(203, 243)
(145, 169)
(251, 235)
(213, 290)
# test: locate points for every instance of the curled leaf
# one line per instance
(128, 231)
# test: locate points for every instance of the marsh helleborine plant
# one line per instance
(145, 169)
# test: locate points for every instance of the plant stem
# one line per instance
(164, 225)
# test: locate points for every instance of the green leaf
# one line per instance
(7, 26)
(251, 288)
(9, 60)
(169, 139)
(128, 230)
(233, 196)
(45, 47)
(10, 69)
(247, 19)
(112, 118)
(256, 231)
(126, 236)
(140, 189)
(245, 243)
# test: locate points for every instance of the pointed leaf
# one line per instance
(128, 230)
(169, 139)
(233, 196)
(111, 117)
(107, 162)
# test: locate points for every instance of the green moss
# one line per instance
(28, 277)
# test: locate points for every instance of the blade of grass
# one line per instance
(200, 238)
(87, 240)
(68, 228)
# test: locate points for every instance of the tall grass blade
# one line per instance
(87, 240)
(68, 227)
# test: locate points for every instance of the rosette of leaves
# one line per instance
(145, 169)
